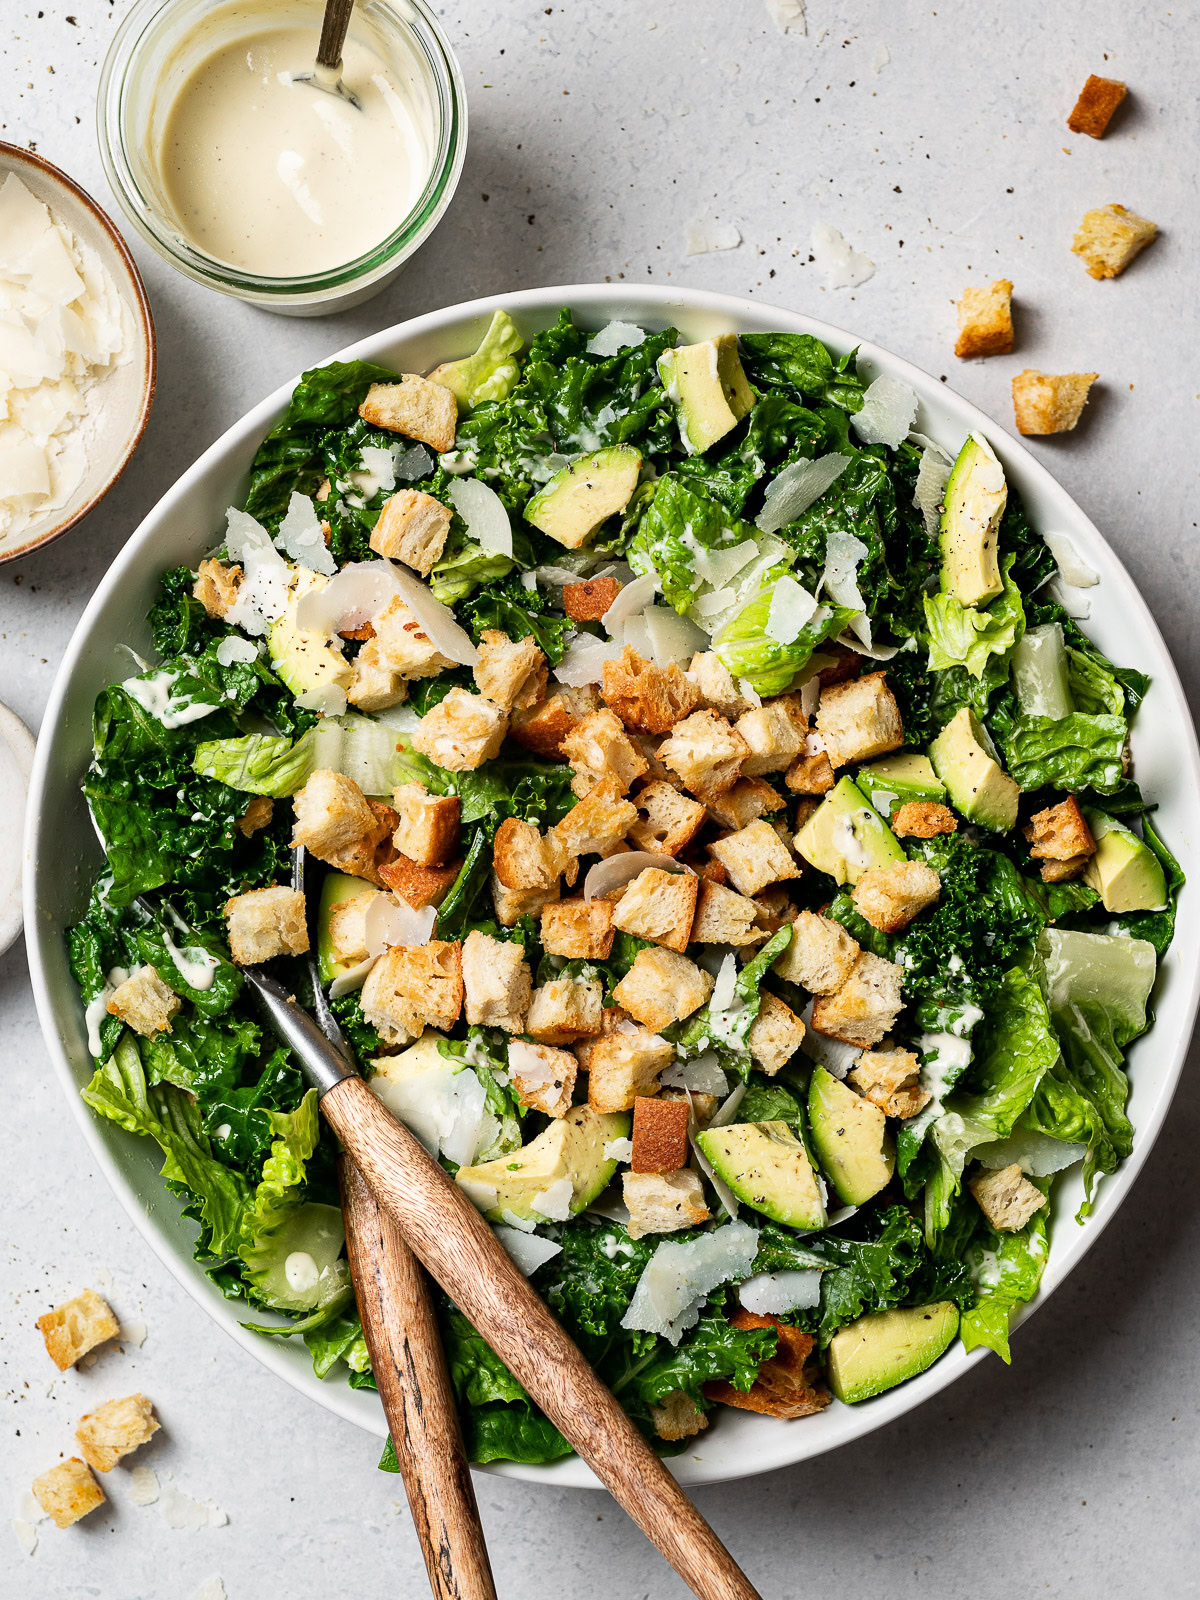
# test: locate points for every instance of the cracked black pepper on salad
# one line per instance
(735, 870)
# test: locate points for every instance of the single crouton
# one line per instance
(677, 1416)
(660, 1135)
(656, 772)
(333, 816)
(787, 1385)
(866, 1005)
(775, 733)
(75, 1327)
(1045, 402)
(859, 720)
(922, 819)
(754, 857)
(774, 909)
(1098, 99)
(257, 815)
(668, 820)
(985, 321)
(544, 728)
(412, 528)
(659, 906)
(216, 586)
(598, 747)
(1060, 832)
(890, 897)
(565, 1010)
(581, 930)
(821, 955)
(414, 987)
(1108, 239)
(587, 602)
(428, 829)
(662, 987)
(890, 1079)
(416, 885)
(706, 753)
(523, 858)
(1006, 1198)
(725, 917)
(346, 929)
(462, 731)
(265, 923)
(623, 1065)
(717, 688)
(704, 1106)
(114, 1430)
(67, 1492)
(1064, 871)
(612, 1020)
(647, 698)
(402, 646)
(513, 675)
(775, 1034)
(145, 1002)
(663, 1202)
(810, 774)
(543, 1078)
(496, 982)
(512, 904)
(744, 803)
(374, 687)
(415, 407)
(598, 823)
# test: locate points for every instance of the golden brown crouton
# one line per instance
(678, 1416)
(890, 1079)
(1060, 833)
(725, 917)
(659, 906)
(67, 1492)
(414, 987)
(337, 823)
(647, 698)
(1045, 402)
(611, 1019)
(788, 1385)
(1098, 99)
(866, 1005)
(775, 1034)
(374, 687)
(660, 1135)
(859, 720)
(985, 321)
(114, 1430)
(1006, 1198)
(544, 728)
(75, 1327)
(922, 819)
(1109, 238)
(543, 1078)
(412, 528)
(890, 897)
(265, 923)
(525, 859)
(754, 857)
(706, 753)
(496, 982)
(1064, 871)
(416, 885)
(401, 646)
(663, 1202)
(810, 774)
(775, 733)
(513, 904)
(513, 675)
(346, 929)
(821, 955)
(598, 823)
(462, 731)
(625, 1064)
(216, 586)
(587, 602)
(662, 987)
(415, 407)
(668, 820)
(748, 799)
(257, 815)
(565, 1010)
(582, 930)
(718, 690)
(427, 832)
(144, 1003)
(598, 746)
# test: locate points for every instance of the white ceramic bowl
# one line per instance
(181, 528)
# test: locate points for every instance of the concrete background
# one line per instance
(935, 138)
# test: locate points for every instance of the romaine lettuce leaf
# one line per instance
(1073, 752)
(491, 372)
(769, 667)
(966, 636)
(370, 752)
(1006, 1269)
(679, 522)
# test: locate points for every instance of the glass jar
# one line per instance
(159, 45)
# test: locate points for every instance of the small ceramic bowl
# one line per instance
(119, 403)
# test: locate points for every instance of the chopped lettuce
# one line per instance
(678, 524)
(1073, 752)
(966, 636)
(749, 651)
(491, 372)
(1006, 1269)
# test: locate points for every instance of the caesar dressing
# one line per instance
(194, 965)
(155, 695)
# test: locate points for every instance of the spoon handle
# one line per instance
(333, 32)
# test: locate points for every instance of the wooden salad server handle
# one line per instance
(400, 1326)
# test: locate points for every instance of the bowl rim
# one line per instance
(645, 302)
(150, 339)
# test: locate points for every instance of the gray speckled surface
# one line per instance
(597, 134)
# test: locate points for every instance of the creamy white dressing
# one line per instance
(154, 695)
(301, 1272)
(195, 966)
(846, 842)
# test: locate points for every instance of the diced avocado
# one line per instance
(710, 391)
(578, 498)
(966, 761)
(305, 658)
(571, 1147)
(767, 1166)
(850, 1137)
(883, 1349)
(974, 503)
(491, 372)
(1041, 673)
(1124, 872)
(336, 890)
(846, 836)
(895, 780)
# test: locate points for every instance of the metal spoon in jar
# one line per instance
(327, 74)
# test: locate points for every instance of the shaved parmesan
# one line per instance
(378, 470)
(481, 1195)
(436, 619)
(528, 1250)
(873, 652)
(329, 700)
(584, 658)
(301, 538)
(445, 1108)
(718, 566)
(713, 603)
(773, 1293)
(1073, 568)
(838, 262)
(930, 489)
(355, 596)
(634, 597)
(521, 1224)
(796, 488)
(182, 1512)
(792, 608)
(615, 872)
(701, 1076)
(788, 15)
(1037, 1154)
(389, 923)
(727, 1110)
(143, 1486)
(263, 593)
(554, 1202)
(410, 462)
(835, 1056)
(887, 413)
(680, 1276)
(619, 1150)
(615, 337)
(232, 649)
(482, 509)
(636, 634)
(880, 59)
(1069, 599)
(844, 553)
(353, 978)
(671, 637)
(705, 235)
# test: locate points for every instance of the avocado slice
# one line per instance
(571, 1147)
(974, 503)
(305, 658)
(895, 780)
(850, 1136)
(883, 1349)
(1124, 872)
(491, 372)
(767, 1166)
(966, 761)
(710, 391)
(846, 836)
(336, 890)
(578, 498)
